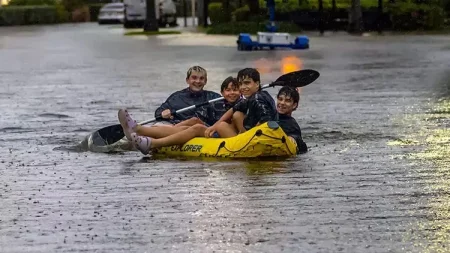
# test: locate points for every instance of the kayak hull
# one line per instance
(266, 140)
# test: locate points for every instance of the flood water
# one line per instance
(375, 179)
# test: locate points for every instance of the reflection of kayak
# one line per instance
(266, 140)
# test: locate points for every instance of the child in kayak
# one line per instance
(257, 108)
(196, 78)
(287, 102)
(230, 92)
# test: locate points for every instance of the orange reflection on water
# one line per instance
(290, 64)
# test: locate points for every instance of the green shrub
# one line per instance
(28, 15)
(31, 2)
(241, 14)
(72, 5)
(62, 14)
(410, 16)
(217, 14)
(434, 17)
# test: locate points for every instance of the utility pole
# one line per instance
(151, 23)
(355, 24)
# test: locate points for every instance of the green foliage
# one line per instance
(31, 2)
(411, 16)
(72, 5)
(241, 14)
(61, 13)
(249, 27)
(217, 14)
(28, 15)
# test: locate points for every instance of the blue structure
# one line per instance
(271, 38)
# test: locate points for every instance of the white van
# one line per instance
(136, 12)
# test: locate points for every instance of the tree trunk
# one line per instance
(226, 9)
(151, 23)
(321, 17)
(253, 5)
(355, 22)
(205, 13)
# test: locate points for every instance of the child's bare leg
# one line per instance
(159, 131)
(145, 144)
(226, 130)
(238, 121)
(197, 130)
(189, 122)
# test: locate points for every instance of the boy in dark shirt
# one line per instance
(196, 78)
(257, 107)
(287, 102)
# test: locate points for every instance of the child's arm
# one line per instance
(212, 129)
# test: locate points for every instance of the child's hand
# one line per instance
(210, 131)
(166, 114)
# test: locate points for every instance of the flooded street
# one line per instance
(376, 177)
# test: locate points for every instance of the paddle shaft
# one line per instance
(182, 110)
(194, 107)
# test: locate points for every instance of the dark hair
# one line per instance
(290, 93)
(250, 73)
(228, 80)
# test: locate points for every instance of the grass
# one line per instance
(133, 33)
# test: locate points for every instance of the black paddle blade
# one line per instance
(297, 79)
(110, 135)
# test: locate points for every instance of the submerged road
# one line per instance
(376, 177)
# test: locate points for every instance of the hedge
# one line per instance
(249, 27)
(398, 16)
(28, 15)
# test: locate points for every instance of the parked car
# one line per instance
(111, 13)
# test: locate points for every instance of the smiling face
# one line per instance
(248, 87)
(231, 93)
(196, 81)
(286, 104)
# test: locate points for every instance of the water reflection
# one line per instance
(432, 234)
(287, 64)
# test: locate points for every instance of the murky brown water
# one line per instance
(354, 191)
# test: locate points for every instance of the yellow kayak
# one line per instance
(265, 140)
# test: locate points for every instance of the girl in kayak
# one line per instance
(257, 108)
(230, 92)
